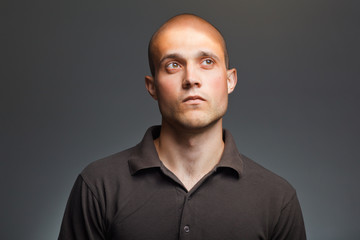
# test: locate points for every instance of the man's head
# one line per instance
(190, 76)
(183, 18)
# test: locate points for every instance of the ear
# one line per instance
(231, 79)
(150, 86)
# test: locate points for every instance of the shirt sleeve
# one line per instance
(290, 225)
(83, 217)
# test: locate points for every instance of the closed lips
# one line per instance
(193, 98)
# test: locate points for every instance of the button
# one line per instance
(187, 228)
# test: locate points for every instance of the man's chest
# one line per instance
(214, 211)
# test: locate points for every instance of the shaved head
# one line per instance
(183, 21)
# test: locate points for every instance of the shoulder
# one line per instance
(108, 172)
(276, 197)
(266, 181)
(108, 165)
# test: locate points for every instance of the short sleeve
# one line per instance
(290, 225)
(83, 217)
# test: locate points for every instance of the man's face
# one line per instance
(191, 82)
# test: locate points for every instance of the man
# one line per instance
(186, 179)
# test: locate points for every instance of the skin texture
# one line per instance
(191, 84)
(190, 61)
(152, 47)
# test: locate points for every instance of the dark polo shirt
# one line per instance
(132, 195)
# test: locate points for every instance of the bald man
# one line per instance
(186, 178)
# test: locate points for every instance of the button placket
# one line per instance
(185, 220)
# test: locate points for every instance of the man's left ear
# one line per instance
(231, 79)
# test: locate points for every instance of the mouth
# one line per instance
(193, 99)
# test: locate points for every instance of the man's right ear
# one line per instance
(150, 86)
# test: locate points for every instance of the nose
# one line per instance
(191, 78)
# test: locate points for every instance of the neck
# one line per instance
(190, 154)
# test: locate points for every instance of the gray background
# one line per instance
(72, 91)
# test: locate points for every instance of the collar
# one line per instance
(144, 155)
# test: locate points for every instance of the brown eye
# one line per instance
(172, 65)
(207, 62)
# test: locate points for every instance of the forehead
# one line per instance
(188, 37)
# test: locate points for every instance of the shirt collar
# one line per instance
(231, 158)
(144, 155)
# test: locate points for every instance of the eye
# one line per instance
(207, 61)
(172, 65)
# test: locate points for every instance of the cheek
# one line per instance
(220, 82)
(219, 86)
(166, 89)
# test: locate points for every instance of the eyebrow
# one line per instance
(170, 56)
(198, 55)
(208, 54)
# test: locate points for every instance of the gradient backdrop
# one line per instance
(72, 91)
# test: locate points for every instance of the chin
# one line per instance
(199, 123)
(195, 120)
